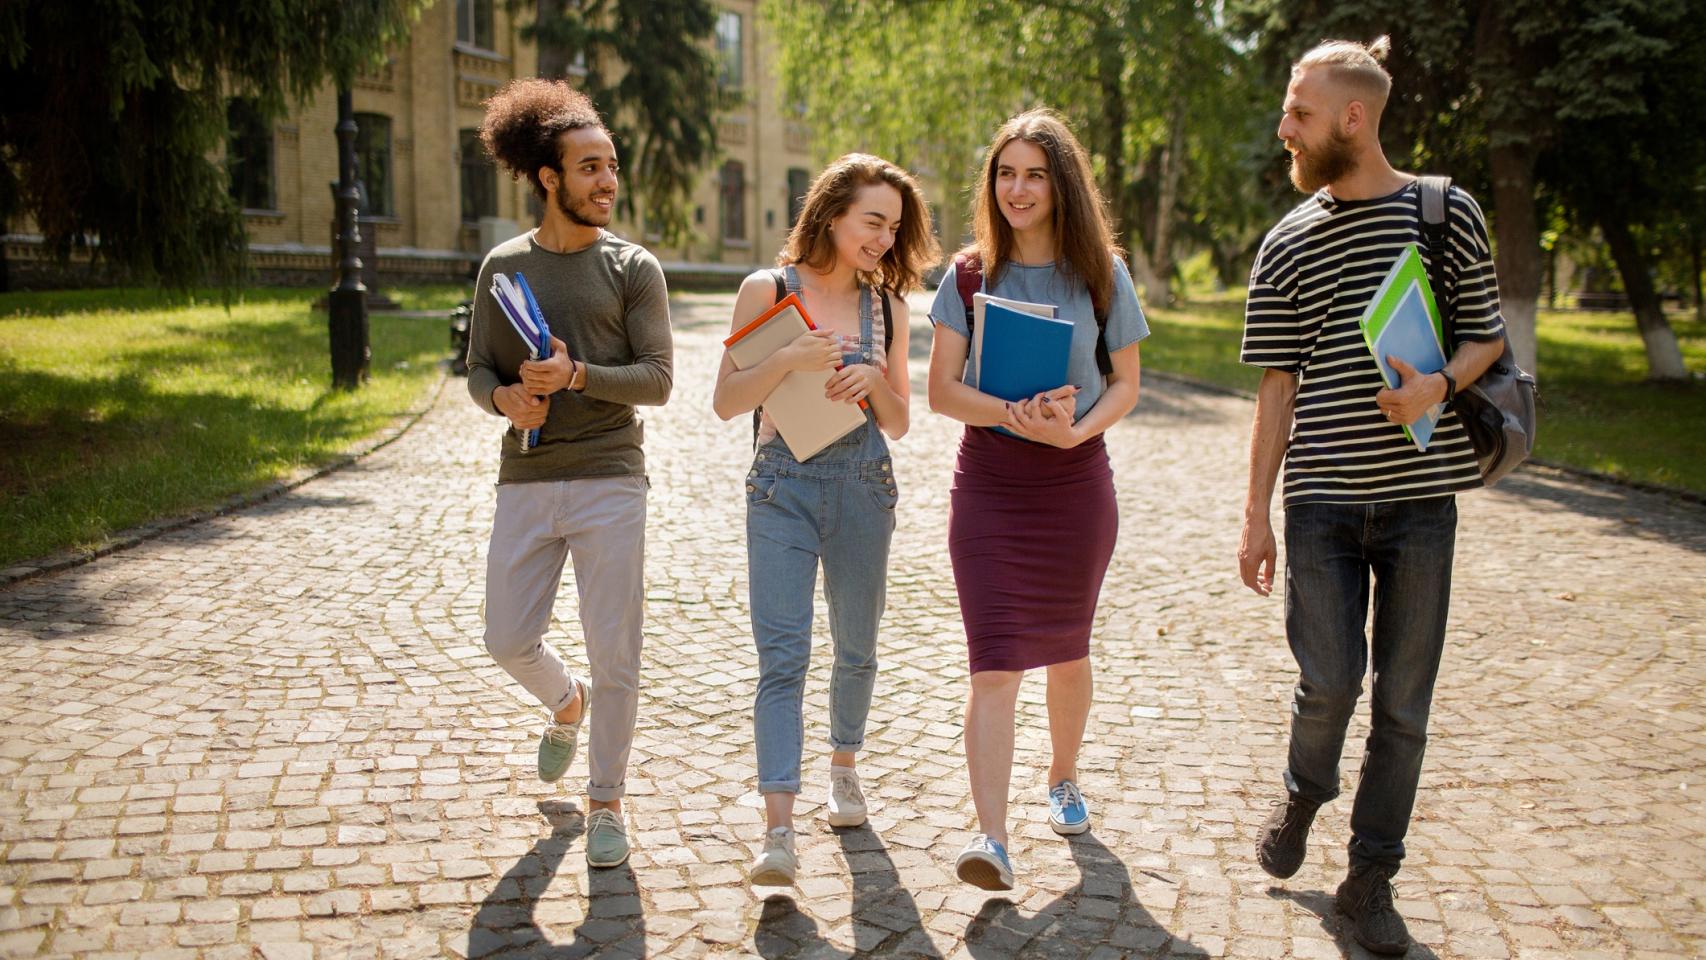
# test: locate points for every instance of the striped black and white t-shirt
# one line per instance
(1314, 277)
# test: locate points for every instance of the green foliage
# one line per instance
(651, 71)
(920, 84)
(926, 83)
(112, 112)
(119, 407)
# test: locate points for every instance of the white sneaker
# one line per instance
(846, 799)
(776, 865)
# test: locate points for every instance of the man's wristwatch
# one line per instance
(1450, 386)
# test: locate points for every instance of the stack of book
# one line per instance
(806, 419)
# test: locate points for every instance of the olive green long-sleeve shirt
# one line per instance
(608, 302)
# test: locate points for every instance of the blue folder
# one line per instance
(1023, 354)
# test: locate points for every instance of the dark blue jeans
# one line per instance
(1331, 550)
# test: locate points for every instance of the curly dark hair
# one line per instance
(524, 121)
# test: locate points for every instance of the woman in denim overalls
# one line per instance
(859, 245)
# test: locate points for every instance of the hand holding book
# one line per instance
(556, 372)
(1416, 396)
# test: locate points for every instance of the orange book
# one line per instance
(807, 420)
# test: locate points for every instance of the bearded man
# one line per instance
(1361, 501)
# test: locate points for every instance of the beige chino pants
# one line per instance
(600, 522)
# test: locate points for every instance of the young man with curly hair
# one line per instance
(580, 492)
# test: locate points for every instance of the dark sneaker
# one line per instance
(1285, 837)
(1366, 897)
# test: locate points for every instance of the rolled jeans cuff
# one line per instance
(606, 794)
(778, 786)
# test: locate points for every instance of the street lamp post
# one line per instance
(347, 303)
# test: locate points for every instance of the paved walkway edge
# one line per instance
(125, 539)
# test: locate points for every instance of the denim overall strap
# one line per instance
(867, 343)
(791, 281)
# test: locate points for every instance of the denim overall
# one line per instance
(838, 508)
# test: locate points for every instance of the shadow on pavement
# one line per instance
(510, 919)
(1100, 912)
(885, 917)
(1320, 903)
(1626, 512)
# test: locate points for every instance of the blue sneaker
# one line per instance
(1068, 814)
(984, 864)
(557, 744)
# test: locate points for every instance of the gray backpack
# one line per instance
(1498, 410)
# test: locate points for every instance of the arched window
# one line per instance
(799, 181)
(733, 195)
(479, 178)
(373, 163)
(248, 155)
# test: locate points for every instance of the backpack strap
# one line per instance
(968, 277)
(1433, 203)
(888, 321)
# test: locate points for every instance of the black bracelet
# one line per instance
(1450, 385)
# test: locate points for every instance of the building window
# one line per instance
(373, 163)
(733, 196)
(474, 23)
(729, 50)
(479, 178)
(248, 155)
(799, 181)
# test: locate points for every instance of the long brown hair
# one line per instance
(901, 270)
(1083, 240)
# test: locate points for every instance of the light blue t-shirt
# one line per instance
(1044, 283)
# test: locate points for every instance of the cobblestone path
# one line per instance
(277, 733)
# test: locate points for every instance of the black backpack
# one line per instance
(1499, 409)
(782, 291)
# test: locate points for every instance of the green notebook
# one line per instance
(1402, 320)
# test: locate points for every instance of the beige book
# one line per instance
(807, 420)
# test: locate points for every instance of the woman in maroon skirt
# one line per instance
(1032, 518)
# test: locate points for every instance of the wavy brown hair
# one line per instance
(901, 270)
(1084, 243)
(525, 122)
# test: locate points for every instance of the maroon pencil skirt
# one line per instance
(1031, 529)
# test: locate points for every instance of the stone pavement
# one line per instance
(277, 733)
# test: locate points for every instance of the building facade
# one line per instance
(435, 203)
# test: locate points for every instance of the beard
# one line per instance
(1331, 161)
(580, 210)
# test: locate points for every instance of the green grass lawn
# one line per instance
(122, 406)
(1597, 411)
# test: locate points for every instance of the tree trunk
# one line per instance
(1515, 138)
(553, 59)
(1699, 300)
(1140, 217)
(1517, 259)
(1110, 135)
(1664, 357)
(1172, 163)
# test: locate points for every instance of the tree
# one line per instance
(925, 83)
(651, 70)
(1640, 176)
(113, 115)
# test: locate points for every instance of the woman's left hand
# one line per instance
(853, 382)
(1046, 418)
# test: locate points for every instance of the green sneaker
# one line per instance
(557, 744)
(606, 839)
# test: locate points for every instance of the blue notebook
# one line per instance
(1023, 354)
(1402, 320)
